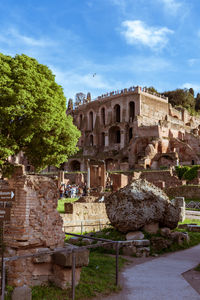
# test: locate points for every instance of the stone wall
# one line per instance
(35, 226)
(187, 191)
(158, 176)
(92, 214)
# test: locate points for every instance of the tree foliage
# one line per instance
(181, 97)
(33, 117)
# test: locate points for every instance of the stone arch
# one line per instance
(117, 113)
(75, 165)
(103, 116)
(91, 140)
(114, 135)
(80, 120)
(91, 120)
(130, 133)
(131, 111)
(103, 139)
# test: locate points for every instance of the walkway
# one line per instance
(160, 278)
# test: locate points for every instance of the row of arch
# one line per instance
(114, 136)
(117, 115)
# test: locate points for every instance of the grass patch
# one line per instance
(197, 268)
(191, 221)
(61, 202)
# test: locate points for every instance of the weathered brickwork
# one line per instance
(134, 129)
(35, 227)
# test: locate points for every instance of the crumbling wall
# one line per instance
(35, 226)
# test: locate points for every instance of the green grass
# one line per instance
(61, 202)
(197, 268)
(98, 278)
(190, 221)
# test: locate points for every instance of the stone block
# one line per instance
(65, 259)
(151, 228)
(68, 208)
(142, 251)
(194, 228)
(135, 235)
(165, 232)
(129, 250)
(141, 243)
(22, 293)
(45, 258)
(62, 277)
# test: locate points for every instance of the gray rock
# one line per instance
(139, 204)
(64, 259)
(42, 258)
(151, 228)
(141, 243)
(129, 250)
(22, 293)
(142, 252)
(135, 235)
(165, 232)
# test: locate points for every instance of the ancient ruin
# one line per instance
(134, 129)
(35, 227)
(141, 205)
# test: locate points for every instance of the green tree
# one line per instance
(33, 114)
(181, 97)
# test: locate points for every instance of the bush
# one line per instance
(191, 173)
(181, 170)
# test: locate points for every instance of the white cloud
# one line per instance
(73, 82)
(137, 32)
(172, 6)
(193, 61)
(196, 87)
(12, 35)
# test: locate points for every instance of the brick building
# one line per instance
(134, 128)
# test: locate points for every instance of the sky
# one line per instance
(99, 46)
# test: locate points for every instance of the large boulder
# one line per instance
(139, 204)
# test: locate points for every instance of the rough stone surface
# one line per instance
(138, 204)
(180, 237)
(65, 259)
(129, 250)
(142, 252)
(136, 235)
(22, 293)
(63, 276)
(165, 232)
(159, 243)
(141, 243)
(151, 228)
(45, 258)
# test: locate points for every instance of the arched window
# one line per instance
(91, 120)
(75, 165)
(131, 110)
(80, 121)
(130, 133)
(114, 135)
(91, 140)
(103, 117)
(103, 139)
(117, 113)
(118, 137)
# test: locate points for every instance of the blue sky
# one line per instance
(123, 42)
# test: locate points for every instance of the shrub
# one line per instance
(181, 170)
(191, 173)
